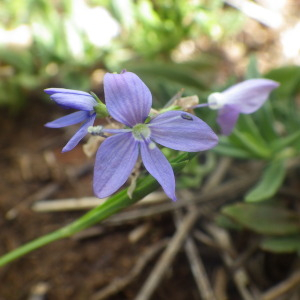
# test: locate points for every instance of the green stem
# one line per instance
(110, 207)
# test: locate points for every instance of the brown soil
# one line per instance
(76, 268)
(30, 163)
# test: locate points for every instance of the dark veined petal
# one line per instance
(227, 119)
(52, 91)
(182, 131)
(79, 135)
(248, 96)
(115, 160)
(71, 119)
(159, 167)
(127, 98)
(76, 101)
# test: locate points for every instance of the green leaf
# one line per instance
(287, 141)
(264, 219)
(269, 183)
(289, 79)
(247, 124)
(285, 244)
(227, 149)
(252, 69)
(250, 143)
(264, 120)
(228, 223)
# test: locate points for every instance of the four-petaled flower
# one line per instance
(129, 101)
(245, 97)
(84, 102)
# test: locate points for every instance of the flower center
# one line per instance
(141, 131)
(216, 100)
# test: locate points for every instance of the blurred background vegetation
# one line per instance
(72, 43)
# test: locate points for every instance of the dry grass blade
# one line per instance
(120, 283)
(167, 257)
(196, 263)
(83, 203)
(283, 287)
(223, 193)
(199, 271)
(240, 275)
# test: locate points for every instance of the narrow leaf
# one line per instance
(264, 219)
(269, 183)
(285, 244)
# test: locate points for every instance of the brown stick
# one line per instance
(278, 290)
(196, 264)
(240, 275)
(120, 283)
(199, 271)
(89, 202)
(167, 257)
(223, 193)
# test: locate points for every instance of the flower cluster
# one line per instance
(128, 101)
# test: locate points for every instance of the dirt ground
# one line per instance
(33, 169)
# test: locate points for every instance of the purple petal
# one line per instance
(127, 98)
(115, 160)
(52, 91)
(75, 101)
(159, 167)
(71, 119)
(248, 96)
(182, 131)
(227, 119)
(79, 135)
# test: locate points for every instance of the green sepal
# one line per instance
(100, 108)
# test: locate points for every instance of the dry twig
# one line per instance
(120, 283)
(196, 265)
(88, 203)
(194, 257)
(240, 276)
(223, 193)
(283, 287)
(167, 257)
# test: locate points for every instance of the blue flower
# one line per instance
(129, 101)
(84, 102)
(245, 97)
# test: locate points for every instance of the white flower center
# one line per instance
(141, 132)
(216, 100)
(95, 130)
